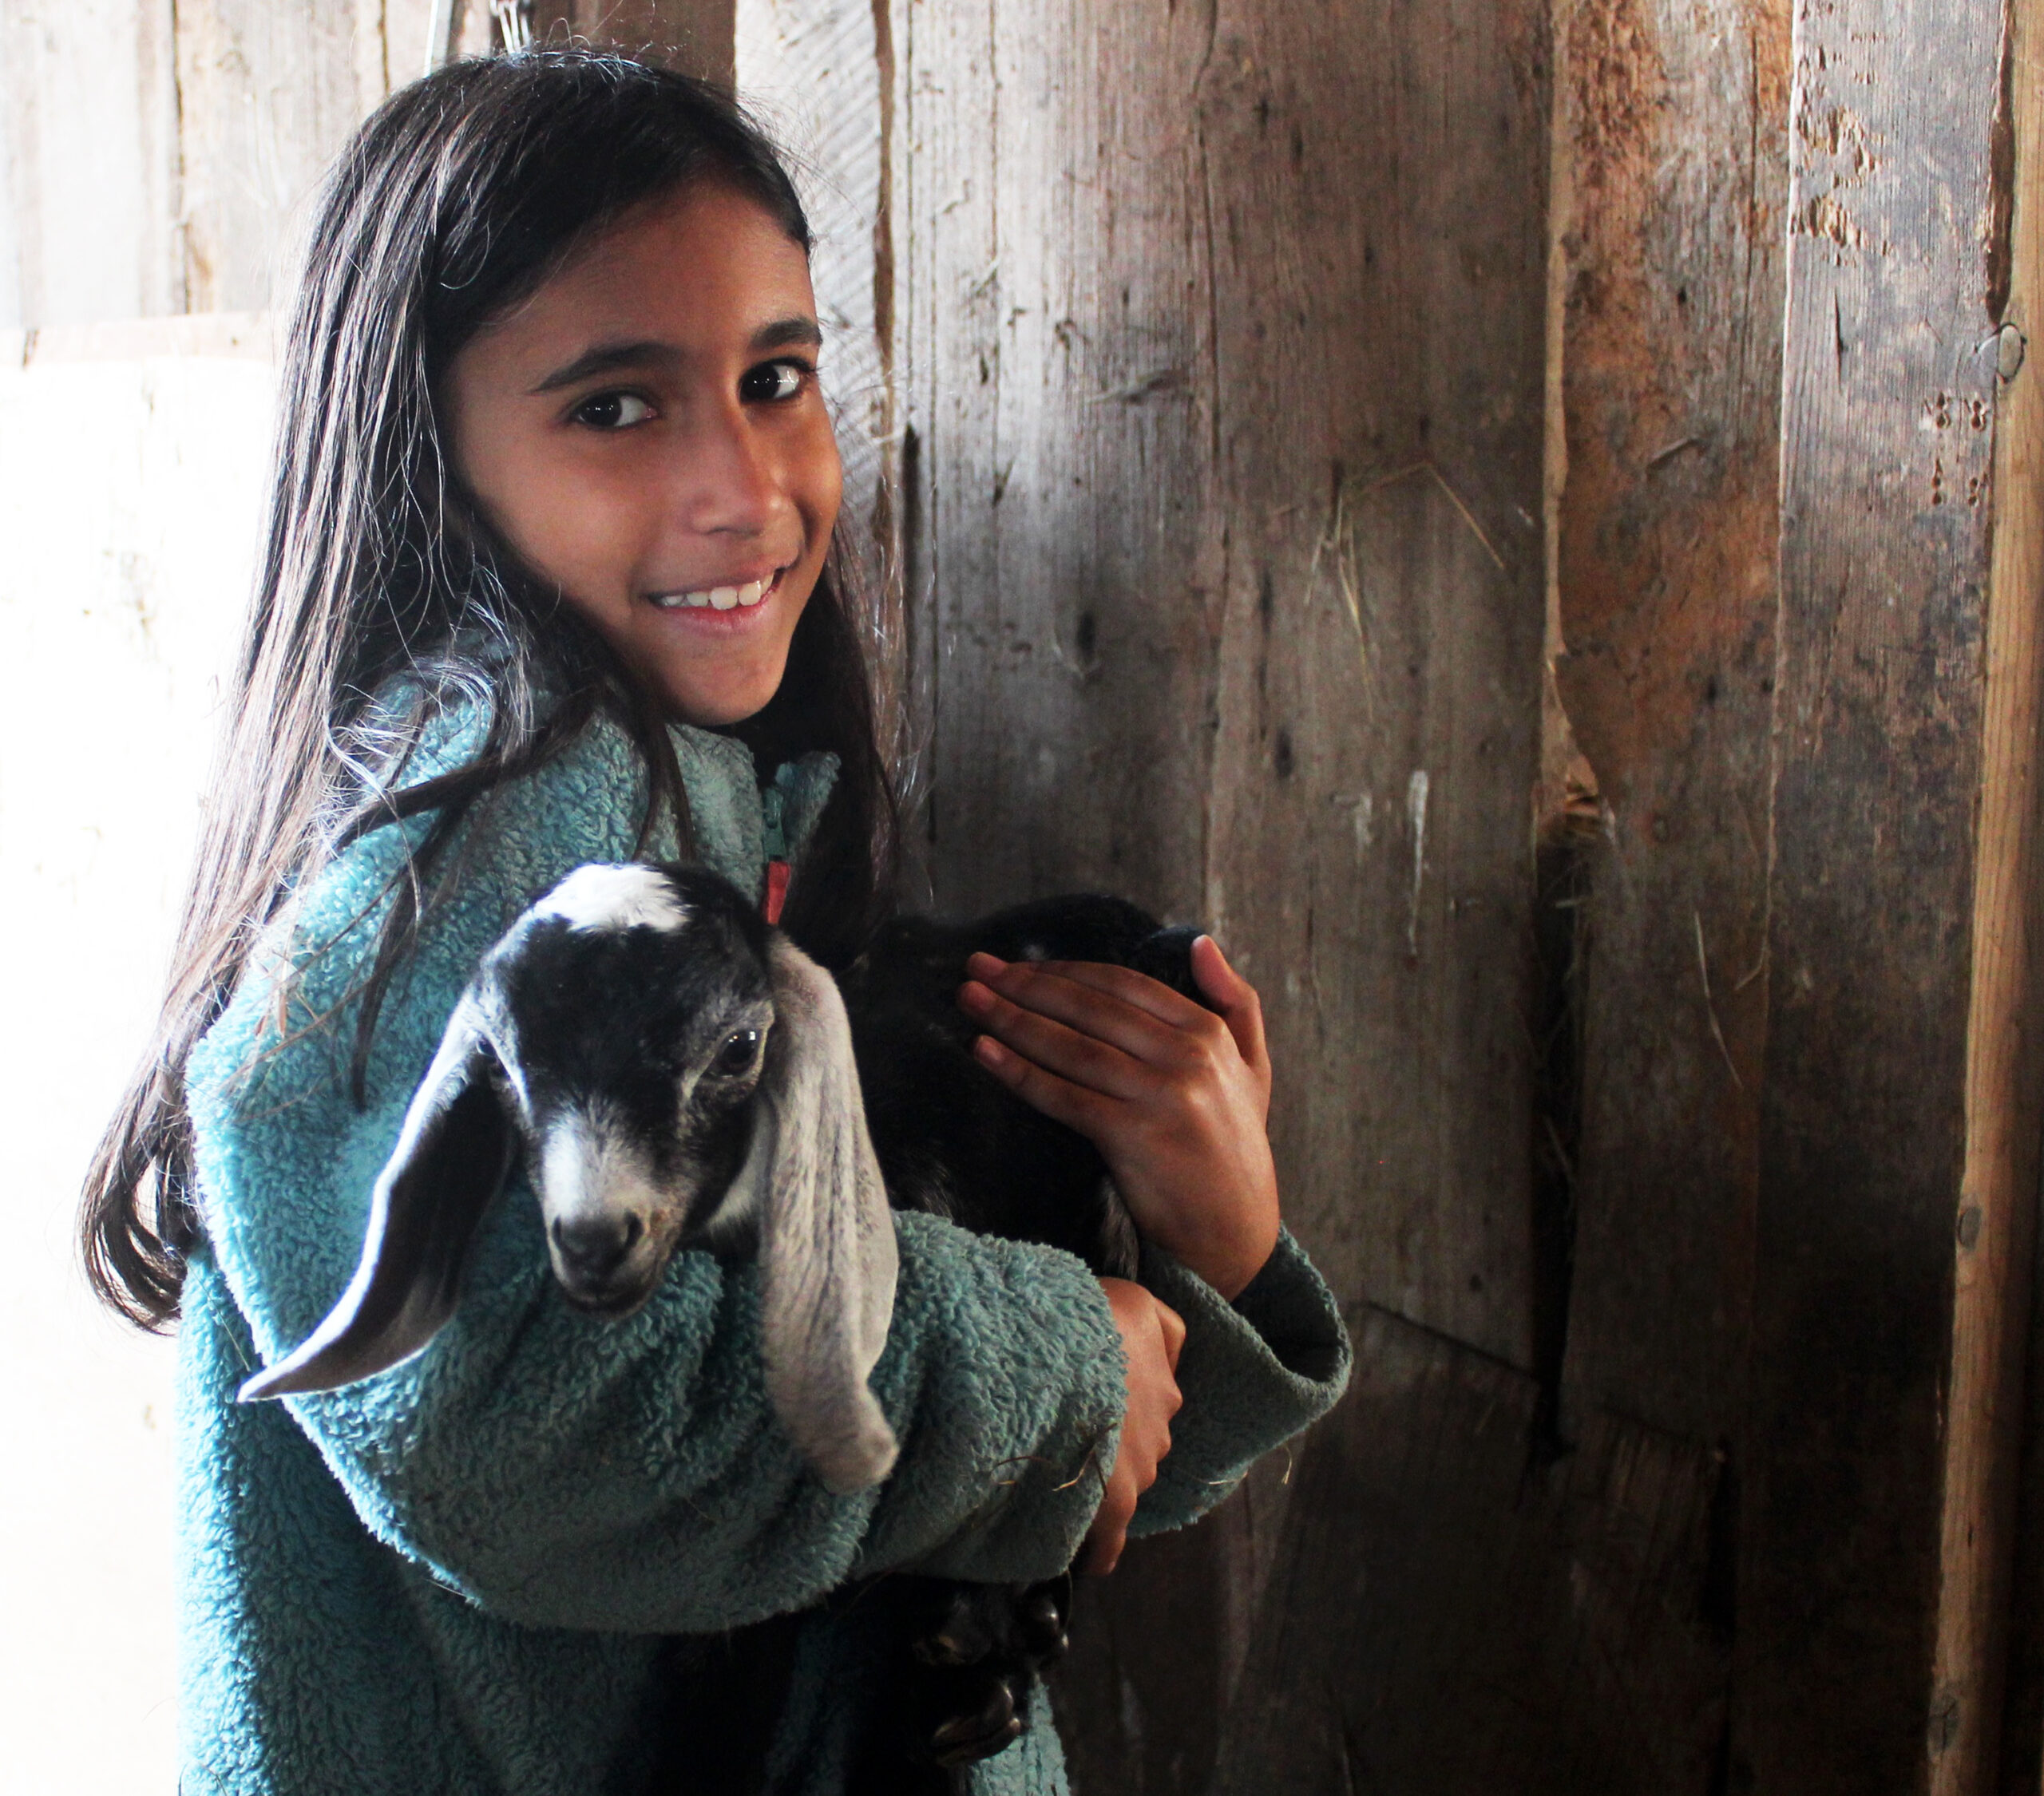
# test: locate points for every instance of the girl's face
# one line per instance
(647, 433)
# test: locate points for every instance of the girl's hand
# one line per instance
(1151, 1334)
(1174, 1096)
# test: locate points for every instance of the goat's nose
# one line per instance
(593, 1247)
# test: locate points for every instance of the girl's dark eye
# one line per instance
(773, 381)
(737, 1054)
(612, 411)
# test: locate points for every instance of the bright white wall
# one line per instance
(132, 465)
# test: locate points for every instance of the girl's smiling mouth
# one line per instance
(746, 596)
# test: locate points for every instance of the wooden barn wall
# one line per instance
(192, 198)
(1350, 481)
(1644, 1482)
(1898, 275)
(1220, 355)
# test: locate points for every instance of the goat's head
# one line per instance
(625, 1020)
(672, 1072)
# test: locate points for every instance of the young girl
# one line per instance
(552, 578)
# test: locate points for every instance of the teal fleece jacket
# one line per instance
(452, 1578)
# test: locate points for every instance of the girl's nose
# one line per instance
(729, 478)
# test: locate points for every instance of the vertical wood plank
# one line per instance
(268, 94)
(1995, 1243)
(88, 129)
(1221, 347)
(1376, 182)
(695, 35)
(1674, 127)
(1067, 426)
(1888, 408)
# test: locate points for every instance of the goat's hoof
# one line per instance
(1040, 1612)
(966, 1738)
(961, 1638)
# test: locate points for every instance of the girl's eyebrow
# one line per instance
(605, 358)
(787, 332)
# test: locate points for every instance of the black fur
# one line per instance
(967, 1660)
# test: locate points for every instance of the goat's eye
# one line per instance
(737, 1053)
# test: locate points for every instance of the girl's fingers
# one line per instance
(1235, 998)
(1162, 1031)
(1059, 1099)
(1173, 1325)
(1137, 991)
(1079, 1054)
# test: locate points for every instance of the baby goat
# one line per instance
(675, 1073)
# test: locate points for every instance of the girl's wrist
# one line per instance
(1228, 1266)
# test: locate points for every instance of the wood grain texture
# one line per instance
(1229, 585)
(1887, 415)
(1675, 121)
(695, 35)
(267, 94)
(1441, 1620)
(89, 136)
(1995, 1245)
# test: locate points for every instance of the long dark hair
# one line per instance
(462, 194)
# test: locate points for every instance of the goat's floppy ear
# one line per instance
(826, 1236)
(449, 1163)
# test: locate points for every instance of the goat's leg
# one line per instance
(977, 1660)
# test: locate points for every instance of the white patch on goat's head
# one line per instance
(614, 897)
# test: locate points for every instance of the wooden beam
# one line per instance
(1995, 1242)
(1888, 415)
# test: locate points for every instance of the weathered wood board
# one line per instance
(1672, 188)
(2015, 649)
(1889, 402)
(268, 94)
(1220, 358)
(1443, 1618)
(88, 123)
(1227, 569)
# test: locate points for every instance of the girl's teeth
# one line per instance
(717, 598)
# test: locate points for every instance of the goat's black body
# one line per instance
(953, 1142)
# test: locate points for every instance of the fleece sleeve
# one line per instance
(1253, 1374)
(568, 1471)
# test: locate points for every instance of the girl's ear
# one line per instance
(826, 1236)
(450, 1161)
